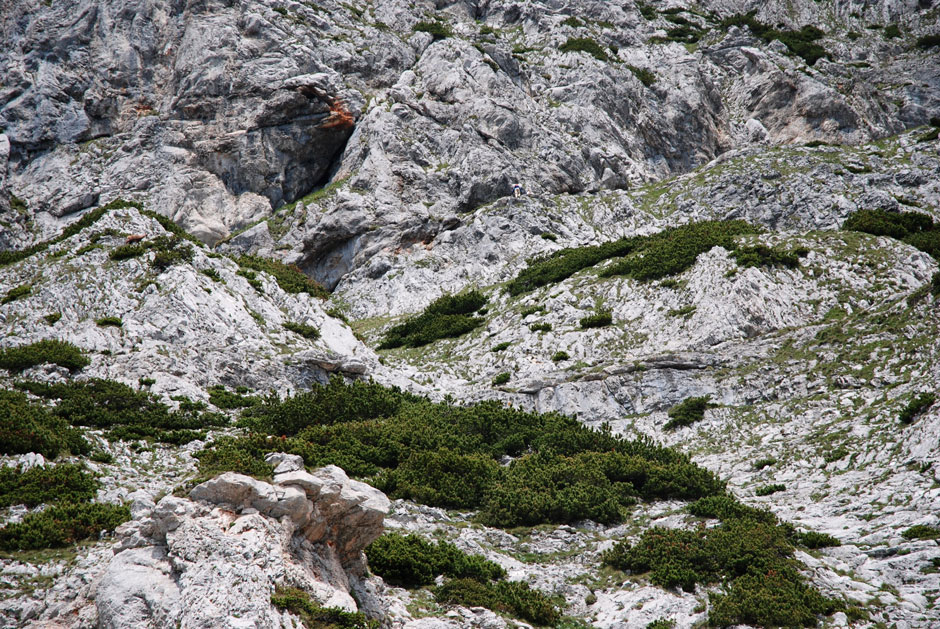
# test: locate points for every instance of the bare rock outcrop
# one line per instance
(214, 559)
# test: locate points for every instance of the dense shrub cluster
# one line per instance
(511, 597)
(687, 412)
(914, 228)
(27, 426)
(585, 44)
(129, 414)
(916, 406)
(501, 378)
(921, 531)
(812, 539)
(750, 553)
(170, 250)
(448, 316)
(61, 353)
(290, 278)
(766, 490)
(928, 41)
(229, 400)
(314, 616)
(649, 257)
(66, 482)
(410, 561)
(762, 255)
(446, 455)
(801, 43)
(62, 525)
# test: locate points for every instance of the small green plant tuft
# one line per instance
(585, 44)
(52, 317)
(17, 292)
(760, 464)
(541, 327)
(500, 346)
(125, 252)
(105, 322)
(687, 412)
(599, 319)
(928, 41)
(501, 378)
(298, 602)
(812, 539)
(560, 356)
(645, 76)
(917, 406)
(439, 30)
(304, 330)
(410, 561)
(213, 275)
(288, 276)
(766, 490)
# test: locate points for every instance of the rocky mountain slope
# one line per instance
(374, 146)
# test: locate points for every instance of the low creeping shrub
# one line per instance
(66, 482)
(448, 316)
(917, 406)
(762, 255)
(501, 378)
(304, 330)
(446, 455)
(687, 412)
(114, 322)
(16, 292)
(801, 43)
(439, 30)
(410, 561)
(220, 397)
(921, 531)
(599, 319)
(511, 597)
(61, 353)
(62, 525)
(26, 426)
(914, 228)
(298, 602)
(585, 44)
(289, 277)
(749, 553)
(129, 415)
(766, 490)
(505, 344)
(812, 539)
(560, 356)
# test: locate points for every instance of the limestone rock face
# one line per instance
(214, 559)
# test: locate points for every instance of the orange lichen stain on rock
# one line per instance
(339, 117)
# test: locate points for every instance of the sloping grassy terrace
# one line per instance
(447, 455)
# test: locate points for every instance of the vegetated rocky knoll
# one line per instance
(794, 359)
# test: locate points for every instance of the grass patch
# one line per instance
(447, 317)
(48, 351)
(113, 322)
(289, 277)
